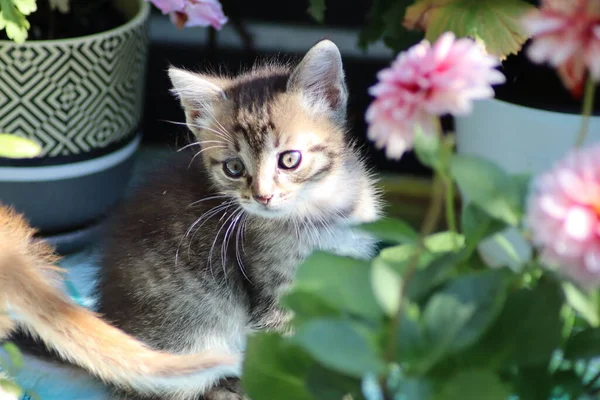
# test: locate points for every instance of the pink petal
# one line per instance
(428, 81)
(205, 13)
(168, 6)
(580, 223)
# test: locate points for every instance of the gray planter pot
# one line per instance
(81, 99)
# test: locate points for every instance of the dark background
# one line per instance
(360, 71)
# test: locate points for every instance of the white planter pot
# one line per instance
(81, 99)
(520, 140)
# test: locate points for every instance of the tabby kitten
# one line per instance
(199, 257)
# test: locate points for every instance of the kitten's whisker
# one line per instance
(187, 232)
(225, 136)
(227, 238)
(214, 118)
(239, 237)
(203, 150)
(217, 237)
(205, 216)
(218, 196)
(200, 143)
(325, 225)
(310, 230)
(244, 234)
(208, 215)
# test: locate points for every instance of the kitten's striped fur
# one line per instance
(197, 259)
(29, 289)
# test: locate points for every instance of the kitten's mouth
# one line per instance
(265, 211)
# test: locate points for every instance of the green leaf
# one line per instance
(275, 369)
(338, 345)
(442, 242)
(583, 345)
(488, 186)
(478, 225)
(567, 383)
(7, 386)
(343, 283)
(391, 230)
(317, 10)
(26, 7)
(411, 344)
(458, 315)
(13, 146)
(586, 304)
(474, 385)
(522, 183)
(528, 329)
(374, 27)
(325, 384)
(415, 389)
(495, 23)
(427, 148)
(13, 20)
(436, 272)
(14, 354)
(399, 256)
(387, 285)
(307, 306)
(533, 383)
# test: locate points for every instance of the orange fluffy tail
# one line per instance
(29, 288)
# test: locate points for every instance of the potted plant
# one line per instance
(534, 108)
(426, 318)
(72, 77)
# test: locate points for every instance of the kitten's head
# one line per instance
(273, 138)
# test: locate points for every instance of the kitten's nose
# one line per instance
(263, 199)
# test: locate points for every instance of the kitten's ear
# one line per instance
(198, 94)
(320, 76)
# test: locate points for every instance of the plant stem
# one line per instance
(450, 212)
(444, 171)
(588, 108)
(429, 224)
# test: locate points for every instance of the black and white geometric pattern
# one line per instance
(77, 95)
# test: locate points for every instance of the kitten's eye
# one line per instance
(234, 167)
(290, 159)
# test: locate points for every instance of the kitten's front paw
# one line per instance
(226, 389)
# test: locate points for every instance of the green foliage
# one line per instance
(425, 319)
(586, 304)
(10, 387)
(11, 360)
(317, 10)
(13, 146)
(583, 345)
(384, 22)
(474, 385)
(428, 148)
(340, 345)
(274, 368)
(391, 230)
(12, 18)
(489, 187)
(399, 23)
(495, 23)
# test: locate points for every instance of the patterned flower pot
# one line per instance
(81, 99)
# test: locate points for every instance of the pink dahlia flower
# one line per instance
(426, 82)
(186, 13)
(564, 216)
(566, 34)
(168, 6)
